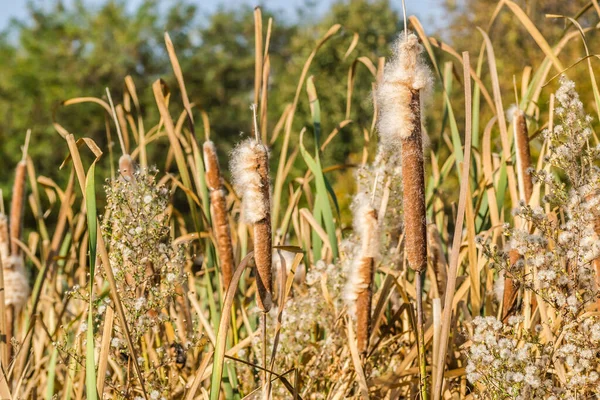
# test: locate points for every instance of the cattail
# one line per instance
(17, 207)
(399, 102)
(250, 170)
(4, 238)
(523, 155)
(398, 97)
(126, 167)
(359, 289)
(218, 209)
(510, 295)
(16, 284)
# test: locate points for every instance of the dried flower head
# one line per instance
(404, 74)
(249, 163)
(250, 170)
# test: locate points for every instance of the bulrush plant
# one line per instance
(218, 210)
(524, 179)
(250, 170)
(16, 283)
(558, 357)
(399, 101)
(359, 290)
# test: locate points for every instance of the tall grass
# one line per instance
(258, 289)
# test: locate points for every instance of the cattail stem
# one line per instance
(218, 208)
(413, 186)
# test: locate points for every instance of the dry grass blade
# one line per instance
(506, 148)
(219, 354)
(104, 350)
(360, 374)
(452, 272)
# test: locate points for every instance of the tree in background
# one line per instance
(75, 51)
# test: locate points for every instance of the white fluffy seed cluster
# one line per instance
(366, 226)
(404, 74)
(246, 160)
(15, 282)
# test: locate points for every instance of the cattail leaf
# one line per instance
(315, 241)
(90, 364)
(51, 374)
(322, 197)
(90, 204)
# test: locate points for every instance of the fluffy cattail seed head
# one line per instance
(404, 74)
(126, 167)
(359, 289)
(250, 169)
(16, 284)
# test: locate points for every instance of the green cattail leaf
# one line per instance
(316, 242)
(90, 203)
(51, 374)
(90, 364)
(322, 197)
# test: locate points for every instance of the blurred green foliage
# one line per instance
(66, 52)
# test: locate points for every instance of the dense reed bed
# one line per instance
(196, 281)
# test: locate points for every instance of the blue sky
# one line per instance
(424, 9)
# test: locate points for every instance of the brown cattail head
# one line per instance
(211, 163)
(17, 207)
(399, 102)
(126, 167)
(4, 239)
(523, 155)
(413, 187)
(218, 208)
(359, 289)
(250, 170)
